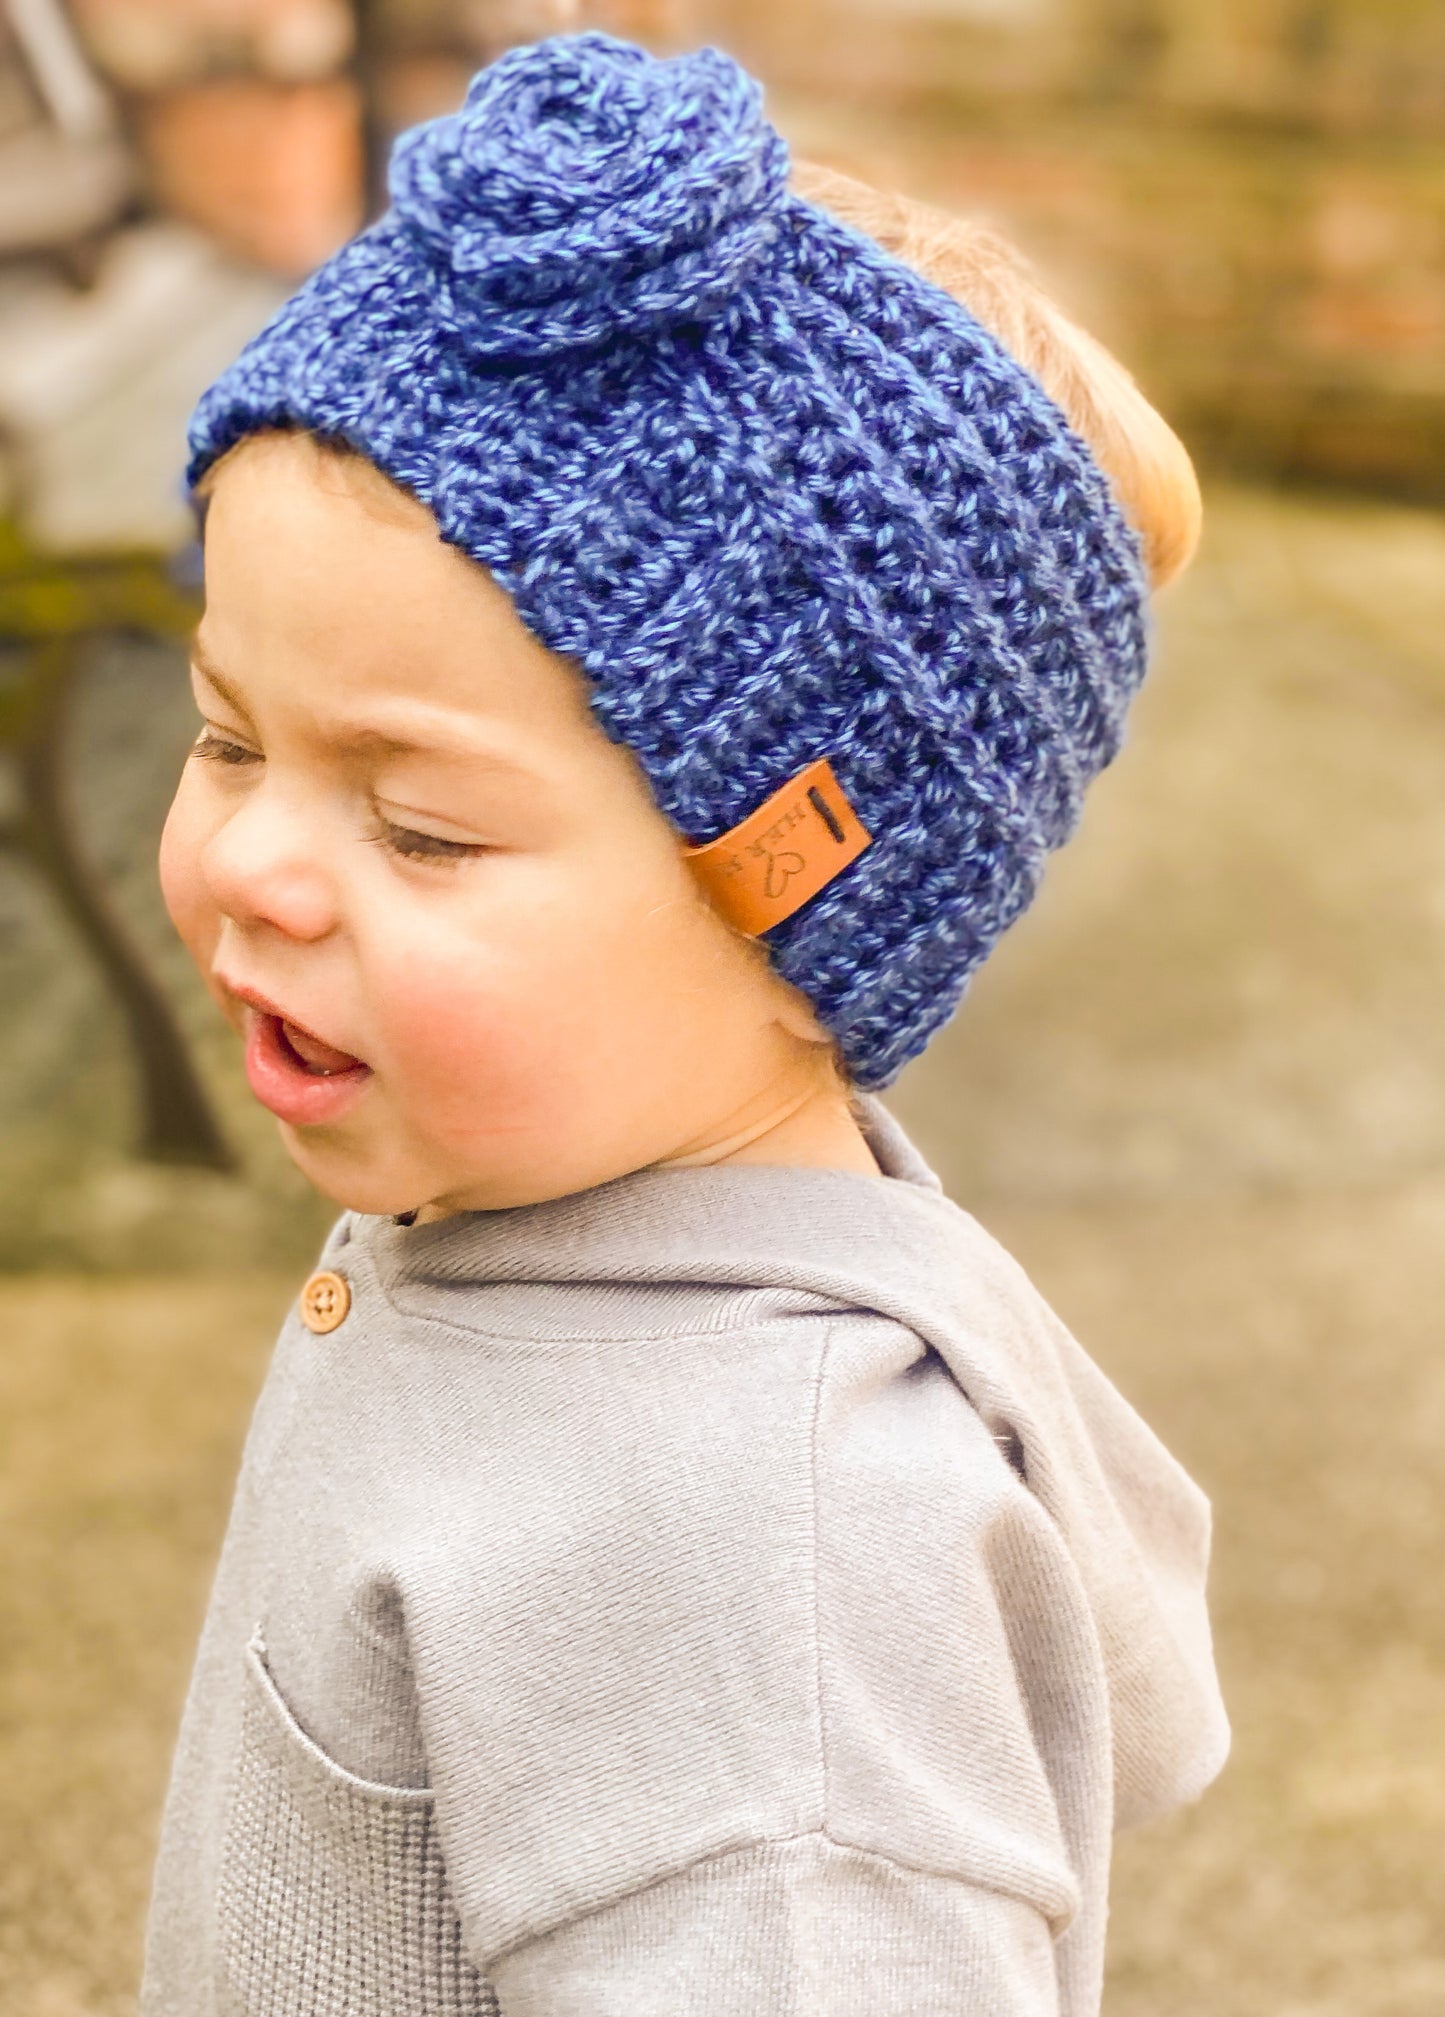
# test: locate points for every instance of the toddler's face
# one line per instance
(469, 962)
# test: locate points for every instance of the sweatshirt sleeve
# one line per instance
(788, 1702)
(797, 1928)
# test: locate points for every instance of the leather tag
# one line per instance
(768, 866)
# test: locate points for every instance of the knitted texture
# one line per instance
(370, 1932)
(777, 495)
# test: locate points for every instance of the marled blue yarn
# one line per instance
(780, 496)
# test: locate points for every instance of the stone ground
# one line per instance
(1200, 1091)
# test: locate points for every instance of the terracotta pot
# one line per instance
(274, 171)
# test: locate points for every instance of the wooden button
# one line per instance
(324, 1301)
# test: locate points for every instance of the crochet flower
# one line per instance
(585, 188)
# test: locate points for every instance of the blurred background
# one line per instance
(1200, 1088)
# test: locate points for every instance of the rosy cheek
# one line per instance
(472, 1054)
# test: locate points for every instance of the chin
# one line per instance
(349, 1177)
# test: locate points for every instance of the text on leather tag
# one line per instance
(771, 863)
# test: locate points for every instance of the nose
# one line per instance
(266, 866)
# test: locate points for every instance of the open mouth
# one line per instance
(314, 1056)
(301, 1077)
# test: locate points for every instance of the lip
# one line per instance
(279, 1079)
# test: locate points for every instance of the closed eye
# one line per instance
(414, 846)
(213, 748)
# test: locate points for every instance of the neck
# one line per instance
(811, 1128)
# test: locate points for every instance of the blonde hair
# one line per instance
(354, 471)
(1145, 461)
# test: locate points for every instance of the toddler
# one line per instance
(661, 609)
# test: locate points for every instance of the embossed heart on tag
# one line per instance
(780, 867)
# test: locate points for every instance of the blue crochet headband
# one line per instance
(836, 567)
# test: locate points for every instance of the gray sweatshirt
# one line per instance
(724, 1592)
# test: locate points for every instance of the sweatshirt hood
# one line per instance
(1136, 1525)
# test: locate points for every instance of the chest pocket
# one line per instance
(332, 1897)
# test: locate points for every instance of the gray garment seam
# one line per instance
(824, 1806)
(449, 1326)
(751, 1848)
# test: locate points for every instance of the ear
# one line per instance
(796, 1014)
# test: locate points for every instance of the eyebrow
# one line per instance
(366, 738)
(204, 664)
